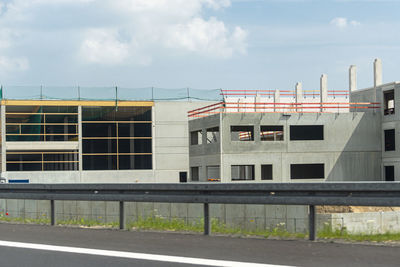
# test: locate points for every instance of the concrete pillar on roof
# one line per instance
(352, 78)
(377, 72)
(257, 99)
(299, 95)
(323, 83)
(277, 100)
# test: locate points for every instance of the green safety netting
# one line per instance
(107, 93)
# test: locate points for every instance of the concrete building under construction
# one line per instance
(155, 135)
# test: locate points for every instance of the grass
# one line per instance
(328, 233)
(179, 225)
(163, 224)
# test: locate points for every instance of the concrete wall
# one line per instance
(351, 149)
(365, 223)
(391, 121)
(249, 217)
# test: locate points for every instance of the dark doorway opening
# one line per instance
(389, 173)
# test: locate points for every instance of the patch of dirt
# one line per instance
(353, 209)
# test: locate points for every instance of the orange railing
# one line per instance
(285, 93)
(235, 107)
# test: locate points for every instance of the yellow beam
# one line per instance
(120, 103)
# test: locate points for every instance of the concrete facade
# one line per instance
(350, 151)
(358, 145)
(169, 151)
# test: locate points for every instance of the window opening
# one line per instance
(266, 172)
(196, 138)
(213, 174)
(390, 140)
(182, 177)
(388, 97)
(194, 173)
(116, 139)
(307, 171)
(271, 133)
(389, 173)
(62, 160)
(242, 172)
(213, 135)
(306, 132)
(242, 133)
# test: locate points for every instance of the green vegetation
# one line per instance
(179, 225)
(328, 233)
(163, 224)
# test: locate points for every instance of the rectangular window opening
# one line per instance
(194, 172)
(390, 142)
(388, 98)
(183, 177)
(389, 173)
(242, 172)
(196, 138)
(213, 174)
(242, 133)
(117, 138)
(213, 135)
(306, 132)
(266, 172)
(271, 133)
(307, 171)
(63, 160)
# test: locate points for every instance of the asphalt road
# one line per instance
(92, 247)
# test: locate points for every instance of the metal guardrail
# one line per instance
(311, 194)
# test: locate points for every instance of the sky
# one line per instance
(202, 44)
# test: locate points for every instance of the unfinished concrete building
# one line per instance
(280, 136)
(123, 135)
(95, 141)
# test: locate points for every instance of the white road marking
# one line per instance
(133, 255)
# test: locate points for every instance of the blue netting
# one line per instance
(108, 93)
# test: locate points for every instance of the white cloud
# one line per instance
(177, 25)
(8, 64)
(102, 46)
(341, 22)
(207, 37)
(113, 32)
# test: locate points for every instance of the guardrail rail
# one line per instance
(311, 194)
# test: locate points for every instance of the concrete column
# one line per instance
(323, 83)
(80, 158)
(257, 99)
(377, 72)
(3, 138)
(277, 99)
(299, 95)
(352, 78)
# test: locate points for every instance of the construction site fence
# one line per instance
(144, 94)
(108, 93)
(241, 107)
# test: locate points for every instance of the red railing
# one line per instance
(235, 107)
(285, 93)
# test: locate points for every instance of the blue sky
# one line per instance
(236, 44)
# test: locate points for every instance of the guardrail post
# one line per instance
(207, 221)
(121, 215)
(311, 223)
(52, 213)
